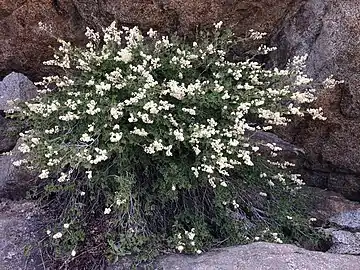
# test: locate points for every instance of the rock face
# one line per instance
(21, 40)
(261, 256)
(328, 30)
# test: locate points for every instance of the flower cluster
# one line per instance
(187, 242)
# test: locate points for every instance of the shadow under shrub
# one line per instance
(144, 146)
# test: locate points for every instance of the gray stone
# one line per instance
(8, 134)
(268, 137)
(324, 204)
(14, 181)
(349, 221)
(345, 242)
(18, 224)
(261, 256)
(15, 86)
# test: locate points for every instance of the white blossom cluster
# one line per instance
(146, 103)
(158, 98)
(186, 242)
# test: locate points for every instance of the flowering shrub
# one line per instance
(144, 144)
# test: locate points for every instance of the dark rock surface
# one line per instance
(23, 47)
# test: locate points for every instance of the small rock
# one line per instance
(8, 134)
(14, 181)
(349, 221)
(345, 242)
(15, 86)
(324, 204)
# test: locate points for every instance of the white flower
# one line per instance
(190, 234)
(198, 251)
(180, 248)
(107, 211)
(116, 113)
(17, 163)
(69, 116)
(151, 33)
(218, 25)
(88, 174)
(91, 127)
(124, 55)
(44, 174)
(190, 111)
(115, 137)
(289, 217)
(173, 188)
(24, 148)
(35, 140)
(73, 253)
(179, 135)
(256, 35)
(57, 235)
(132, 118)
(101, 156)
(140, 132)
(92, 110)
(271, 183)
(48, 232)
(263, 194)
(82, 193)
(66, 225)
(235, 204)
(63, 177)
(120, 202)
(86, 138)
(316, 114)
(223, 183)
